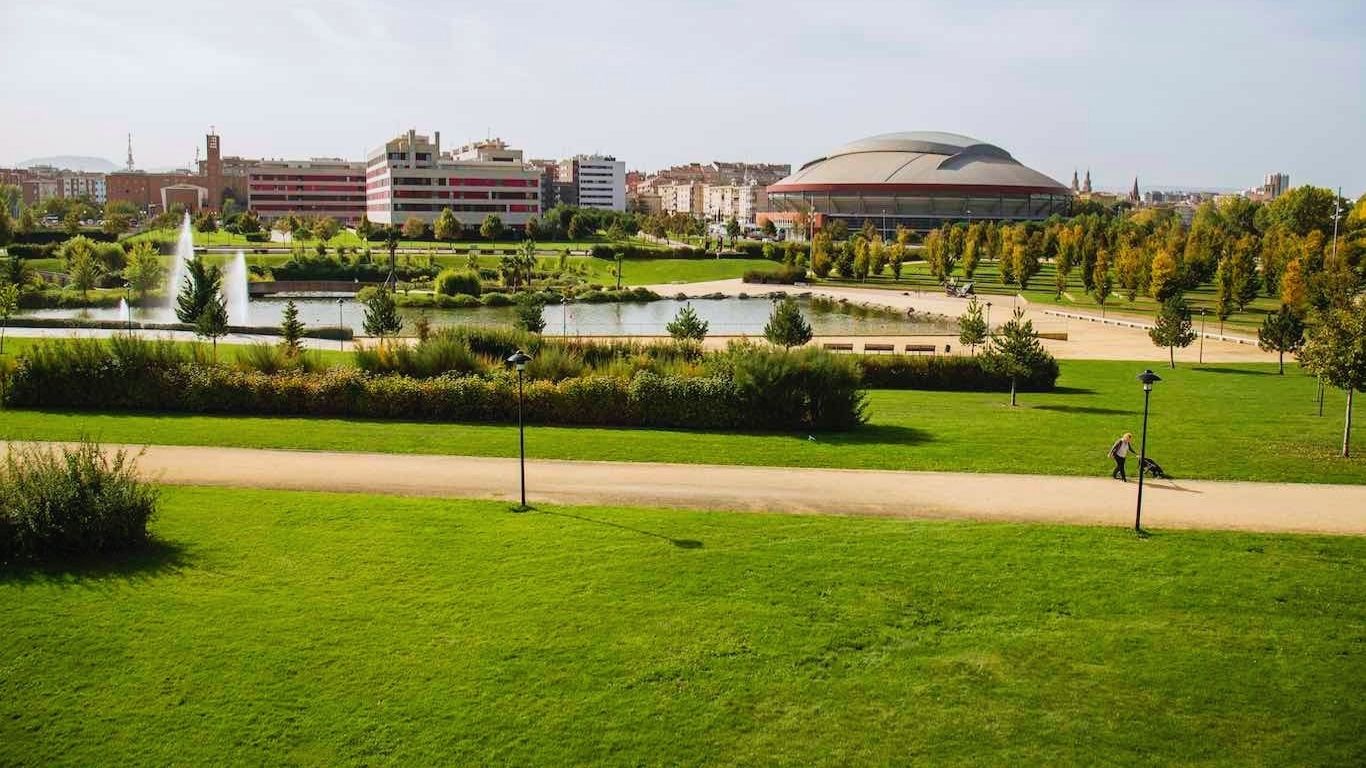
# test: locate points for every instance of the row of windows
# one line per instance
(306, 188)
(306, 207)
(467, 208)
(318, 198)
(305, 177)
(459, 195)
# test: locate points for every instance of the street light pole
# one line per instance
(341, 324)
(1202, 335)
(1147, 377)
(988, 318)
(520, 359)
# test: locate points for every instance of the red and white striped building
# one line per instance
(318, 187)
(410, 176)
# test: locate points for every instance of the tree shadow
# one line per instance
(1242, 371)
(680, 543)
(1086, 409)
(873, 434)
(1071, 391)
(155, 558)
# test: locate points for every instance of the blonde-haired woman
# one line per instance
(1120, 453)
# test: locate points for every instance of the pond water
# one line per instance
(727, 317)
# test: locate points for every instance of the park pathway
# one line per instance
(1204, 504)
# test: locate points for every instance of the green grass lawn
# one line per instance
(299, 628)
(916, 275)
(1240, 422)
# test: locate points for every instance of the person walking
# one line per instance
(1120, 453)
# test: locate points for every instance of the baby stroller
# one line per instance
(1153, 469)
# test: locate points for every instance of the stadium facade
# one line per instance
(919, 179)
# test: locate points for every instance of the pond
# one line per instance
(727, 317)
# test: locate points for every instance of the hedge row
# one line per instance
(330, 332)
(802, 390)
(958, 373)
(782, 276)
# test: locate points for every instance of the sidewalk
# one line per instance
(1271, 507)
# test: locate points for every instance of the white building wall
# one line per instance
(601, 182)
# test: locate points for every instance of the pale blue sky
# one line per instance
(1181, 93)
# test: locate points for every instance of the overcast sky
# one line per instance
(1188, 93)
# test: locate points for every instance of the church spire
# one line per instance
(1075, 187)
(1133, 195)
(1086, 185)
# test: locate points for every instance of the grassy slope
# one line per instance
(330, 629)
(1228, 422)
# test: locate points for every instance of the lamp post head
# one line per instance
(1148, 377)
(519, 359)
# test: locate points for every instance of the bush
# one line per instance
(958, 373)
(71, 501)
(442, 353)
(496, 300)
(782, 276)
(452, 282)
(33, 250)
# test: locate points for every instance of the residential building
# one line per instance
(599, 181)
(723, 202)
(409, 176)
(685, 197)
(1275, 185)
(317, 187)
(82, 184)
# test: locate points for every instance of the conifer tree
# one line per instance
(1280, 333)
(1172, 327)
(786, 326)
(686, 325)
(291, 330)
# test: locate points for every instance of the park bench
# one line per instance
(879, 347)
(838, 346)
(1055, 336)
(920, 348)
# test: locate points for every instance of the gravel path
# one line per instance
(1278, 507)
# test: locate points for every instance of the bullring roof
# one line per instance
(917, 158)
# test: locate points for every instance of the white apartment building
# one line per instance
(722, 202)
(82, 184)
(410, 176)
(683, 197)
(600, 181)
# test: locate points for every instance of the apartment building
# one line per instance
(684, 197)
(599, 181)
(83, 184)
(410, 176)
(316, 187)
(723, 202)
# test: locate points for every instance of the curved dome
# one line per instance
(918, 160)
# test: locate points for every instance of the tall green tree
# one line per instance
(972, 328)
(144, 271)
(447, 227)
(786, 326)
(530, 316)
(1014, 352)
(1280, 333)
(203, 285)
(364, 228)
(687, 326)
(1335, 351)
(1102, 284)
(291, 330)
(732, 230)
(1172, 327)
(382, 319)
(1245, 284)
(82, 263)
(492, 228)
(414, 229)
(212, 323)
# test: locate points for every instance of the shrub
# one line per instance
(71, 501)
(958, 373)
(782, 276)
(556, 362)
(496, 300)
(452, 282)
(808, 387)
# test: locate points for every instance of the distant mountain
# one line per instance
(73, 163)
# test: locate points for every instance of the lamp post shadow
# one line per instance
(679, 543)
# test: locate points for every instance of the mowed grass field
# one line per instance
(315, 629)
(1229, 422)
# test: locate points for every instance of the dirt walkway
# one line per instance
(1282, 507)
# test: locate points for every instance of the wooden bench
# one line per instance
(920, 348)
(839, 347)
(879, 347)
(1054, 336)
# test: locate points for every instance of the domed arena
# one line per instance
(920, 180)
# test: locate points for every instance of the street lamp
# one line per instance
(1202, 335)
(520, 359)
(1147, 377)
(127, 309)
(988, 318)
(341, 325)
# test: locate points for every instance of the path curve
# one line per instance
(1202, 504)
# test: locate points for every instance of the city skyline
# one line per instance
(1151, 92)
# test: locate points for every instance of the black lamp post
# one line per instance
(128, 308)
(341, 325)
(988, 318)
(1147, 377)
(1202, 335)
(520, 359)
